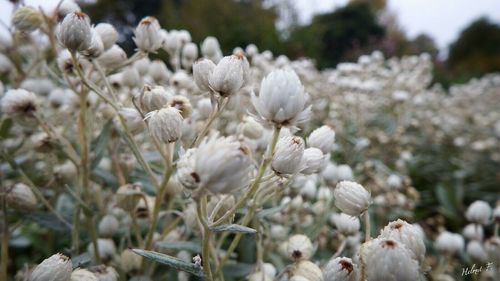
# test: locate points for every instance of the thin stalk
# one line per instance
(256, 183)
(367, 226)
(201, 208)
(219, 107)
(5, 242)
(341, 248)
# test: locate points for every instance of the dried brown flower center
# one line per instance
(346, 266)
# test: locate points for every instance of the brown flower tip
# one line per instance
(346, 265)
(389, 244)
(296, 140)
(296, 254)
(80, 15)
(244, 149)
(397, 225)
(239, 55)
(196, 177)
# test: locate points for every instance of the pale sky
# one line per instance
(442, 19)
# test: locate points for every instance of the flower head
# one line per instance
(351, 198)
(74, 32)
(147, 35)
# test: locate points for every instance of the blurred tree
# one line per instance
(376, 5)
(423, 43)
(476, 51)
(341, 35)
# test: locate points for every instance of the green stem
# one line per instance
(214, 115)
(201, 208)
(367, 226)
(256, 183)
(5, 241)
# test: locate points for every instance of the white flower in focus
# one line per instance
(229, 75)
(282, 99)
(108, 34)
(322, 138)
(222, 165)
(288, 155)
(449, 243)
(351, 198)
(57, 267)
(147, 35)
(346, 224)
(340, 269)
(202, 70)
(165, 124)
(479, 212)
(387, 259)
(299, 247)
(74, 32)
(407, 234)
(312, 161)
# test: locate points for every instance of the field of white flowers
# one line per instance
(240, 167)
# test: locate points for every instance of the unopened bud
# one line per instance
(27, 19)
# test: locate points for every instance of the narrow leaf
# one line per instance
(179, 246)
(171, 261)
(235, 228)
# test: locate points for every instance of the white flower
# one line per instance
(105, 247)
(308, 270)
(147, 35)
(112, 57)
(210, 49)
(299, 247)
(229, 75)
(19, 103)
(473, 232)
(450, 243)
(202, 69)
(108, 226)
(407, 234)
(182, 104)
(165, 124)
(322, 138)
(74, 32)
(96, 47)
(21, 197)
(340, 269)
(159, 71)
(479, 212)
(288, 155)
(133, 119)
(26, 19)
(108, 34)
(344, 173)
(387, 259)
(346, 224)
(221, 165)
(476, 251)
(81, 274)
(105, 273)
(394, 181)
(189, 55)
(130, 261)
(312, 161)
(351, 198)
(252, 129)
(282, 99)
(66, 7)
(153, 98)
(57, 267)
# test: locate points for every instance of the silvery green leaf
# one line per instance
(171, 261)
(271, 211)
(179, 246)
(235, 228)
(80, 260)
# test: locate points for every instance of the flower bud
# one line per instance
(340, 269)
(96, 47)
(19, 104)
(288, 155)
(407, 234)
(394, 181)
(204, 108)
(108, 34)
(133, 119)
(182, 104)
(128, 196)
(449, 243)
(147, 35)
(282, 99)
(112, 57)
(351, 198)
(74, 32)
(81, 274)
(312, 161)
(476, 251)
(251, 50)
(473, 232)
(66, 7)
(165, 124)
(252, 129)
(130, 261)
(259, 276)
(479, 212)
(210, 49)
(105, 273)
(202, 69)
(222, 165)
(21, 197)
(308, 270)
(159, 72)
(105, 247)
(229, 75)
(57, 267)
(322, 138)
(26, 19)
(108, 226)
(344, 173)
(346, 224)
(189, 55)
(299, 247)
(153, 98)
(131, 77)
(387, 259)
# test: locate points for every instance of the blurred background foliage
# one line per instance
(338, 36)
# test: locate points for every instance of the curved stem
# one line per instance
(201, 208)
(214, 115)
(341, 247)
